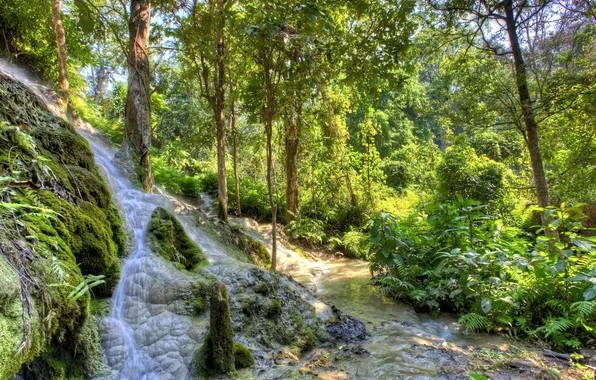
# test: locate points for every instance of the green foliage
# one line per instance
(88, 282)
(305, 230)
(463, 172)
(173, 180)
(455, 257)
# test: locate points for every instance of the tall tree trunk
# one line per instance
(235, 157)
(269, 115)
(61, 44)
(138, 96)
(234, 138)
(531, 132)
(292, 199)
(269, 130)
(220, 120)
(99, 84)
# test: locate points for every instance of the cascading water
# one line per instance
(137, 208)
(147, 335)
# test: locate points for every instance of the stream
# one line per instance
(146, 337)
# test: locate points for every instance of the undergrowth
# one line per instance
(455, 257)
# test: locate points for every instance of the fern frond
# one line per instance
(583, 308)
(555, 325)
(475, 321)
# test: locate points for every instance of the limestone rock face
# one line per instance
(57, 225)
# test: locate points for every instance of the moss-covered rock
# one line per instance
(169, 239)
(57, 224)
(216, 355)
(242, 356)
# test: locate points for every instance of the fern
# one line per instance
(473, 321)
(88, 282)
(557, 305)
(583, 309)
(555, 325)
(505, 320)
(57, 268)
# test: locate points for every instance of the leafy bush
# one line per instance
(463, 172)
(455, 257)
(254, 196)
(173, 180)
(351, 244)
(306, 230)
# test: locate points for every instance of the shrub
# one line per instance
(351, 244)
(173, 180)
(306, 230)
(455, 257)
(462, 172)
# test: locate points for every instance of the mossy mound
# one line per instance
(57, 224)
(242, 356)
(219, 354)
(169, 239)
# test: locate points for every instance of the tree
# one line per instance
(510, 18)
(61, 45)
(203, 35)
(265, 29)
(137, 144)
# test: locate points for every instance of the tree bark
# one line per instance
(269, 116)
(62, 55)
(218, 19)
(234, 137)
(138, 96)
(292, 195)
(235, 155)
(531, 132)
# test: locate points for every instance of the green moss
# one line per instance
(242, 356)
(216, 355)
(169, 239)
(73, 230)
(84, 231)
(259, 255)
(272, 307)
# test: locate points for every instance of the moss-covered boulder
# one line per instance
(169, 239)
(242, 356)
(218, 353)
(57, 225)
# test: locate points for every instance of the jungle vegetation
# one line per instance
(452, 144)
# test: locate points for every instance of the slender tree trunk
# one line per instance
(269, 114)
(61, 44)
(220, 120)
(234, 137)
(531, 132)
(269, 133)
(138, 96)
(292, 196)
(235, 159)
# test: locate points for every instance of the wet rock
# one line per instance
(271, 309)
(346, 328)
